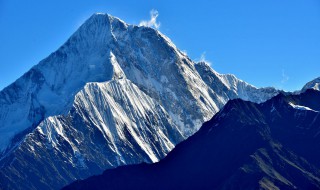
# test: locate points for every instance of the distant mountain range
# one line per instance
(114, 94)
(273, 145)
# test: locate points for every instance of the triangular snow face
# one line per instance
(117, 70)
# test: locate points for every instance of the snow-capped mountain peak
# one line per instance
(49, 88)
(314, 84)
(113, 94)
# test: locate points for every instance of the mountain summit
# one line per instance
(114, 94)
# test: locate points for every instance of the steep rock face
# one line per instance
(272, 145)
(127, 87)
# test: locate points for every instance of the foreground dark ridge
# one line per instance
(273, 145)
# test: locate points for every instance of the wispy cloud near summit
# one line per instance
(153, 20)
(203, 59)
(285, 77)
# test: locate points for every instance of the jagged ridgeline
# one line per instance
(114, 94)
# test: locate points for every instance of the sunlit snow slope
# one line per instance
(245, 146)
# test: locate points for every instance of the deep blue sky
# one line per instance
(264, 42)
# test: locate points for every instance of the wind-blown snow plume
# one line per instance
(203, 59)
(153, 20)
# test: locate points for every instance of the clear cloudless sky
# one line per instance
(264, 42)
